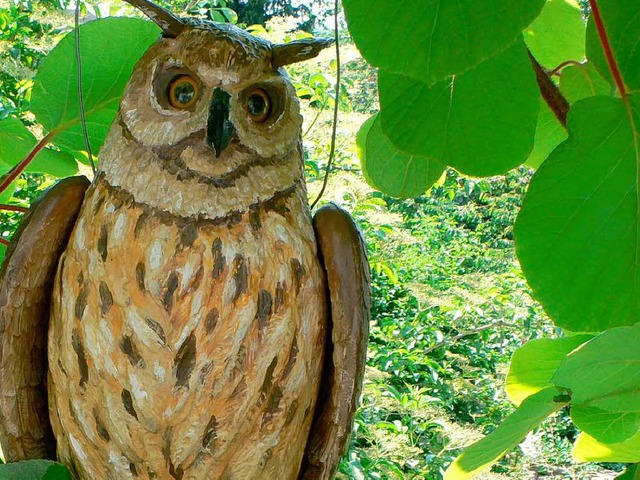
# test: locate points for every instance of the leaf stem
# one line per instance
(12, 174)
(564, 64)
(550, 92)
(608, 52)
(4, 241)
(13, 208)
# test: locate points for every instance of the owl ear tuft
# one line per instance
(298, 50)
(171, 25)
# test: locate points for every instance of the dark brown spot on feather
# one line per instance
(279, 300)
(81, 278)
(140, 223)
(166, 444)
(210, 433)
(98, 204)
(298, 273)
(267, 383)
(291, 413)
(81, 302)
(132, 469)
(102, 243)
(211, 320)
(131, 351)
(188, 235)
(254, 218)
(265, 304)
(239, 389)
(140, 274)
(83, 366)
(127, 402)
(293, 355)
(101, 429)
(176, 473)
(157, 329)
(185, 361)
(106, 298)
(218, 258)
(240, 275)
(204, 372)
(272, 405)
(170, 288)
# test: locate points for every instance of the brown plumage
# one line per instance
(199, 325)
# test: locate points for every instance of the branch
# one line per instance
(12, 174)
(550, 92)
(13, 208)
(556, 71)
(608, 52)
(468, 333)
(4, 242)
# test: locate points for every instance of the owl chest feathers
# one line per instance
(206, 330)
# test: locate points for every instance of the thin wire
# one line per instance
(332, 150)
(83, 117)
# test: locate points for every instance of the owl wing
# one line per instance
(26, 281)
(343, 253)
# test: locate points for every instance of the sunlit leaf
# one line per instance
(534, 364)
(471, 122)
(588, 449)
(432, 39)
(105, 72)
(549, 134)
(605, 426)
(621, 19)
(578, 82)
(558, 34)
(577, 232)
(390, 170)
(508, 435)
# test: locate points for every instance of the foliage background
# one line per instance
(450, 302)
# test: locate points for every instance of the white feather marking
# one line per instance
(77, 448)
(159, 371)
(156, 253)
(118, 229)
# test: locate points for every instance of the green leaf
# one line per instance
(578, 82)
(388, 169)
(27, 470)
(507, 436)
(105, 72)
(608, 427)
(432, 39)
(603, 373)
(16, 141)
(578, 229)
(57, 472)
(472, 122)
(558, 34)
(549, 134)
(631, 473)
(534, 364)
(621, 20)
(588, 449)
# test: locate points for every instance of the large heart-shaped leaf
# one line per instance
(432, 39)
(472, 122)
(390, 170)
(577, 234)
(105, 72)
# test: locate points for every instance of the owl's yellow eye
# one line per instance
(258, 105)
(183, 92)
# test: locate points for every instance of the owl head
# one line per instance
(205, 100)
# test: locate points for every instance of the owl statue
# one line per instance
(183, 316)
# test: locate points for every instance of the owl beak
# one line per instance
(220, 130)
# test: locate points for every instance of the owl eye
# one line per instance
(183, 92)
(259, 105)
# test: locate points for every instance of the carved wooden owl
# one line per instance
(202, 325)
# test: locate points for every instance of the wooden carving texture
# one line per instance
(189, 319)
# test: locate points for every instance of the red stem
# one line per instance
(4, 242)
(606, 46)
(13, 208)
(12, 174)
